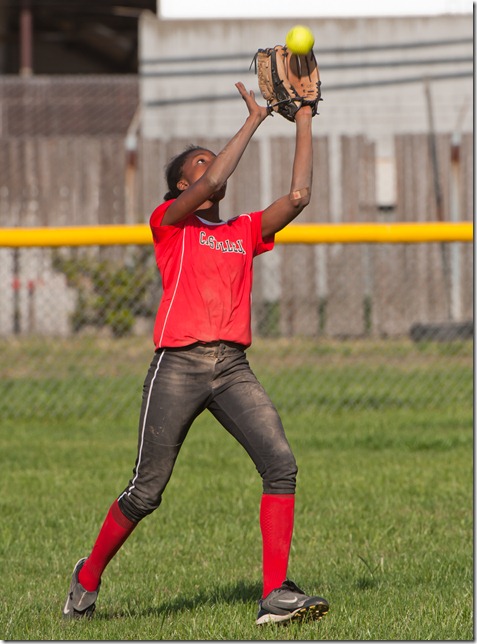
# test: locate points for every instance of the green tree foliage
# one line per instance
(110, 293)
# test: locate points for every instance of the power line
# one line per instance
(326, 88)
(318, 51)
(323, 67)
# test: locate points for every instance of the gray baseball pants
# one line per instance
(180, 385)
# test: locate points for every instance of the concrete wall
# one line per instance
(376, 111)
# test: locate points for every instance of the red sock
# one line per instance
(276, 523)
(114, 532)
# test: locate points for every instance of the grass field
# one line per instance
(384, 511)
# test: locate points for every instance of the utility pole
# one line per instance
(26, 39)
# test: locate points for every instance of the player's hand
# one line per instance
(253, 107)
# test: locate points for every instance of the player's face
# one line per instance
(196, 164)
(194, 167)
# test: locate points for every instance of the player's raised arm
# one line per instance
(289, 80)
(200, 186)
(282, 211)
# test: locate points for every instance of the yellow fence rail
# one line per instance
(357, 233)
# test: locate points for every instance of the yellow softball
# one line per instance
(300, 39)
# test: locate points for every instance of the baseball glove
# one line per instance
(288, 81)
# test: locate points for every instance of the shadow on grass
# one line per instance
(237, 593)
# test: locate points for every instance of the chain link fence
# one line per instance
(77, 340)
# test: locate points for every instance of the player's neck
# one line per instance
(209, 214)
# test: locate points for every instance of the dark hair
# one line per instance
(174, 171)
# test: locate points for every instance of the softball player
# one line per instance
(201, 332)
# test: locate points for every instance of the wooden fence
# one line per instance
(337, 290)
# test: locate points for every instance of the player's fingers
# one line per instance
(247, 96)
(241, 88)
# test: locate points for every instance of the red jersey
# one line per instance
(207, 272)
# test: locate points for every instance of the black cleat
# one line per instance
(289, 603)
(80, 602)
